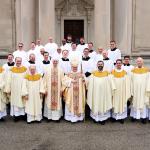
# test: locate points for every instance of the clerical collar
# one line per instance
(113, 49)
(31, 62)
(10, 64)
(106, 58)
(82, 43)
(126, 64)
(69, 41)
(65, 59)
(46, 62)
(91, 51)
(85, 58)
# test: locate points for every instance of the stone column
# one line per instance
(123, 25)
(102, 23)
(25, 22)
(46, 20)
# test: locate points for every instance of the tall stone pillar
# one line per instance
(122, 23)
(102, 23)
(25, 22)
(46, 20)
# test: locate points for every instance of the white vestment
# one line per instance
(51, 48)
(114, 55)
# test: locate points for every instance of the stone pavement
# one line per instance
(79, 136)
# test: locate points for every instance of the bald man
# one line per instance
(108, 64)
(139, 78)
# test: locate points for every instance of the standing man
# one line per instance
(3, 112)
(82, 45)
(10, 62)
(14, 87)
(122, 92)
(32, 92)
(64, 62)
(92, 52)
(53, 86)
(74, 53)
(87, 63)
(140, 84)
(46, 62)
(126, 64)
(100, 91)
(108, 64)
(51, 46)
(74, 94)
(114, 53)
(21, 53)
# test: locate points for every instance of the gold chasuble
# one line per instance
(33, 87)
(100, 91)
(2, 95)
(75, 93)
(122, 92)
(14, 85)
(140, 78)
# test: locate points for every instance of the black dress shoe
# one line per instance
(121, 121)
(95, 121)
(16, 119)
(113, 120)
(48, 120)
(143, 121)
(2, 120)
(102, 122)
(133, 120)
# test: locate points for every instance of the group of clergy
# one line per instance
(38, 82)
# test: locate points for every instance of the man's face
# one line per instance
(42, 50)
(105, 54)
(18, 62)
(139, 63)
(100, 50)
(55, 62)
(32, 45)
(58, 50)
(90, 46)
(118, 64)
(126, 61)
(50, 40)
(32, 70)
(32, 58)
(63, 42)
(74, 68)
(20, 46)
(100, 66)
(112, 45)
(74, 46)
(38, 42)
(81, 40)
(65, 54)
(10, 58)
(86, 52)
(46, 56)
(69, 38)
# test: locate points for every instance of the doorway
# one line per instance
(74, 28)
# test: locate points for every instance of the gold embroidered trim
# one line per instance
(100, 74)
(54, 89)
(35, 77)
(1, 69)
(18, 69)
(140, 70)
(119, 74)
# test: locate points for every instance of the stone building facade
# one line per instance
(126, 21)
